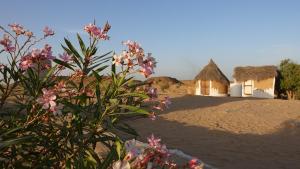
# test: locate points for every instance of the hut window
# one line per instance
(248, 87)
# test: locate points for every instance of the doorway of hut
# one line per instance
(205, 85)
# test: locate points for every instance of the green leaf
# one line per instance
(118, 148)
(73, 50)
(65, 64)
(141, 95)
(15, 141)
(97, 76)
(127, 129)
(100, 69)
(74, 58)
(82, 45)
(93, 52)
(96, 58)
(134, 109)
(11, 131)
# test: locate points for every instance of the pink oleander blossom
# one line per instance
(154, 142)
(167, 102)
(96, 32)
(118, 59)
(152, 93)
(48, 32)
(133, 47)
(46, 53)
(17, 28)
(43, 57)
(7, 44)
(28, 33)
(150, 61)
(48, 99)
(26, 62)
(195, 164)
(65, 57)
(163, 104)
(146, 70)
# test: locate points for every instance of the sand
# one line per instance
(230, 133)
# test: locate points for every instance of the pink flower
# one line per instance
(167, 102)
(195, 164)
(48, 99)
(164, 104)
(18, 29)
(154, 142)
(146, 70)
(65, 57)
(28, 33)
(48, 32)
(26, 62)
(133, 47)
(150, 61)
(117, 59)
(46, 53)
(35, 53)
(152, 93)
(6, 42)
(96, 32)
(77, 74)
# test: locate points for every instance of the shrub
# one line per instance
(57, 122)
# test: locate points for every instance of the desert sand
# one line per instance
(230, 133)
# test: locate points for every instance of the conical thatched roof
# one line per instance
(212, 72)
(254, 72)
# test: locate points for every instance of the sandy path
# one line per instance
(231, 132)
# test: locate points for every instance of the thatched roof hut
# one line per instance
(254, 73)
(212, 72)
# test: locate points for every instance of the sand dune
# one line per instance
(229, 132)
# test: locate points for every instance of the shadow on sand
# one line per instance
(189, 102)
(224, 149)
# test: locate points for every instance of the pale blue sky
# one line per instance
(182, 35)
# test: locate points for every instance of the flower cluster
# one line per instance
(159, 104)
(135, 56)
(65, 57)
(37, 56)
(154, 155)
(195, 164)
(97, 32)
(48, 32)
(7, 44)
(19, 30)
(47, 100)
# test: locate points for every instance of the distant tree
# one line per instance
(290, 78)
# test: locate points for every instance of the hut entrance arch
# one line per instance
(205, 86)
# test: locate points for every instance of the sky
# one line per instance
(182, 35)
